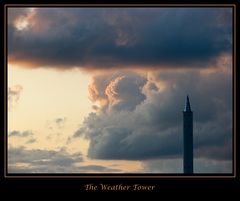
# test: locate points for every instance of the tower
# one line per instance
(187, 138)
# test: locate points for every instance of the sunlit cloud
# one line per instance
(23, 22)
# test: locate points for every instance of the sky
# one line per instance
(102, 90)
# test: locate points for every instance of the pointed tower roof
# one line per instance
(187, 107)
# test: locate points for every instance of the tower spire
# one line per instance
(187, 107)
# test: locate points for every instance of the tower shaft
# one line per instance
(188, 139)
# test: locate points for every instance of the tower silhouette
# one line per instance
(187, 138)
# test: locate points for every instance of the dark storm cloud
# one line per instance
(123, 143)
(153, 129)
(123, 37)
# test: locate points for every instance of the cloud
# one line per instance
(14, 95)
(26, 133)
(213, 166)
(97, 168)
(15, 15)
(153, 127)
(103, 38)
(31, 141)
(22, 160)
(27, 136)
(163, 166)
(176, 166)
(60, 122)
(57, 123)
(79, 132)
(120, 91)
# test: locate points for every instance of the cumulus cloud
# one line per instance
(120, 91)
(106, 38)
(153, 127)
(14, 95)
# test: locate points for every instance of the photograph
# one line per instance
(110, 91)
